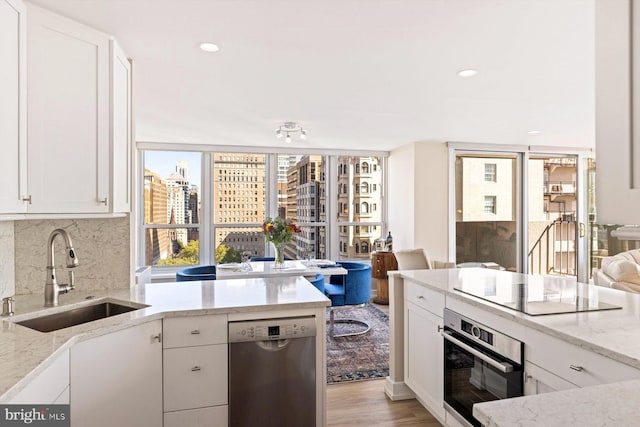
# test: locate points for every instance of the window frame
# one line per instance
(492, 175)
(490, 202)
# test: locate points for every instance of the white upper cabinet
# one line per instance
(13, 105)
(617, 112)
(121, 135)
(68, 115)
(69, 135)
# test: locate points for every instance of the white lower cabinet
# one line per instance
(423, 365)
(50, 386)
(116, 379)
(195, 366)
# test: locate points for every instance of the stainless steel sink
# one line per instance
(76, 316)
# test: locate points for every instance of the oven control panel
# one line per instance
(476, 332)
(484, 336)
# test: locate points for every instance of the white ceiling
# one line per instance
(357, 74)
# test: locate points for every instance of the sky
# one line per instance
(164, 163)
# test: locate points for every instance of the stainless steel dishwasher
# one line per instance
(272, 372)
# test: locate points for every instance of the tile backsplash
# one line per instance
(7, 267)
(102, 248)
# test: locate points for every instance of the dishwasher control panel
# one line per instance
(272, 329)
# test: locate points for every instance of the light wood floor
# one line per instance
(363, 403)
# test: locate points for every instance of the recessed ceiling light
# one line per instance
(470, 72)
(209, 47)
(534, 132)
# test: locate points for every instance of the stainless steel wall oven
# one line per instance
(480, 365)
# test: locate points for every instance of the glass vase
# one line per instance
(278, 263)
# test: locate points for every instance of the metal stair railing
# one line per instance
(554, 250)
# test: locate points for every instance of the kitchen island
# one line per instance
(561, 351)
(27, 355)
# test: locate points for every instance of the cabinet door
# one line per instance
(424, 357)
(617, 102)
(68, 115)
(13, 102)
(49, 385)
(116, 379)
(120, 129)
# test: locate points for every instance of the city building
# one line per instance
(305, 185)
(239, 201)
(359, 186)
(157, 242)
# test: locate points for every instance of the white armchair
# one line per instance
(418, 259)
(621, 271)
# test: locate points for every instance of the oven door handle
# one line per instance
(501, 366)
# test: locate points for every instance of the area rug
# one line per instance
(360, 357)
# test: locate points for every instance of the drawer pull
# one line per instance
(195, 332)
(195, 369)
(156, 337)
(576, 368)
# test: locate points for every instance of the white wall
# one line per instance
(400, 196)
(418, 198)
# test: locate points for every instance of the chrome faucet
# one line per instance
(51, 288)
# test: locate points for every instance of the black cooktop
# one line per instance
(538, 296)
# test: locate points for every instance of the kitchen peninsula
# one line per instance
(182, 323)
(572, 351)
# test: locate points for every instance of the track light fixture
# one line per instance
(285, 130)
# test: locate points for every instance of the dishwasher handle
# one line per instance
(273, 345)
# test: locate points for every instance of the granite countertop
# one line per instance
(611, 333)
(25, 353)
(611, 405)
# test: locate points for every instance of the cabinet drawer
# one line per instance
(538, 381)
(195, 377)
(574, 364)
(424, 297)
(194, 330)
(216, 416)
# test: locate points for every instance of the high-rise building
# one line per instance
(285, 162)
(239, 198)
(158, 245)
(182, 169)
(305, 185)
(178, 204)
(193, 211)
(359, 186)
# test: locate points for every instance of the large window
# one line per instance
(302, 198)
(239, 204)
(486, 215)
(218, 218)
(171, 207)
(359, 208)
